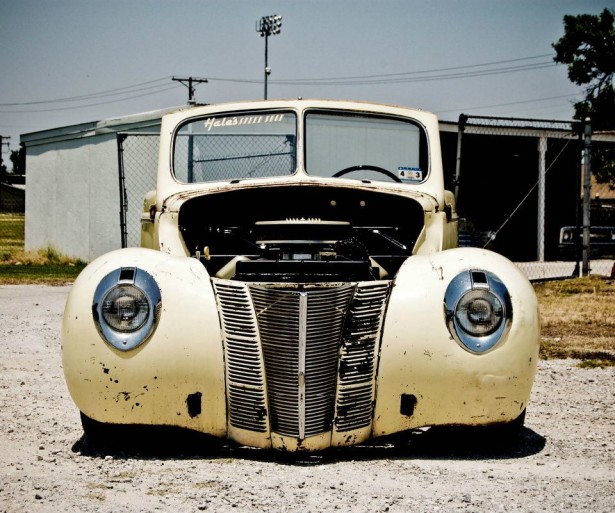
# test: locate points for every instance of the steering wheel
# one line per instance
(367, 167)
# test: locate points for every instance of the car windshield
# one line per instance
(236, 146)
(264, 144)
(363, 146)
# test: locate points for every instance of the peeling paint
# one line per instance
(439, 271)
(122, 395)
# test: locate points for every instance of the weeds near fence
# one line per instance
(45, 266)
(45, 256)
(11, 233)
(578, 320)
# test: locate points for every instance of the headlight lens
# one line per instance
(126, 307)
(478, 310)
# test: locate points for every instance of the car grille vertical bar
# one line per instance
(358, 356)
(285, 319)
(303, 303)
(244, 366)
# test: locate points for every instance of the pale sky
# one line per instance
(71, 61)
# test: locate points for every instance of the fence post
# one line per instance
(586, 195)
(461, 127)
(123, 198)
(542, 174)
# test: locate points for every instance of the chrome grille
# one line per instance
(300, 334)
(358, 356)
(299, 361)
(354, 407)
(246, 391)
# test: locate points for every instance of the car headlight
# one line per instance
(126, 307)
(478, 310)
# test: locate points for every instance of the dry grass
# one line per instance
(45, 266)
(578, 319)
(45, 256)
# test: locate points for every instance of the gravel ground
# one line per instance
(565, 460)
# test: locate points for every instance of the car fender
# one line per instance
(425, 377)
(176, 377)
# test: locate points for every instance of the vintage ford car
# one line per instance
(299, 287)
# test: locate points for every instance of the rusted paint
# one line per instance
(193, 403)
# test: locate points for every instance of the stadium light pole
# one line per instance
(268, 26)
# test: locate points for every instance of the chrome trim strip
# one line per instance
(303, 303)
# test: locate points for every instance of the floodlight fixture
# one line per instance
(268, 26)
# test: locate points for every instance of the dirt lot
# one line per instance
(564, 462)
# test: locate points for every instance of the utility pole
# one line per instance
(2, 174)
(189, 83)
(2, 144)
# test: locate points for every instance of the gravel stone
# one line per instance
(563, 462)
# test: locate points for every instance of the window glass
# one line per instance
(365, 147)
(235, 146)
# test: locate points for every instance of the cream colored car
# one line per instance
(299, 287)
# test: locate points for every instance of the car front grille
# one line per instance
(300, 361)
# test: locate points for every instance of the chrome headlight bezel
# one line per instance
(478, 310)
(132, 296)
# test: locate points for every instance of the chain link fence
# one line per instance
(211, 157)
(138, 167)
(12, 218)
(518, 184)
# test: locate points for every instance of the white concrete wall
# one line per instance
(72, 193)
(72, 198)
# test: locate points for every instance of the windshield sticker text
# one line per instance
(243, 120)
(411, 174)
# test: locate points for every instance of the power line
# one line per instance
(438, 70)
(89, 104)
(406, 76)
(429, 78)
(101, 94)
(153, 86)
(508, 103)
(415, 76)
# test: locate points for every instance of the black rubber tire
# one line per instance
(106, 436)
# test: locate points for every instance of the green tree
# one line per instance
(18, 158)
(588, 48)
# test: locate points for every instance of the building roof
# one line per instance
(143, 121)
